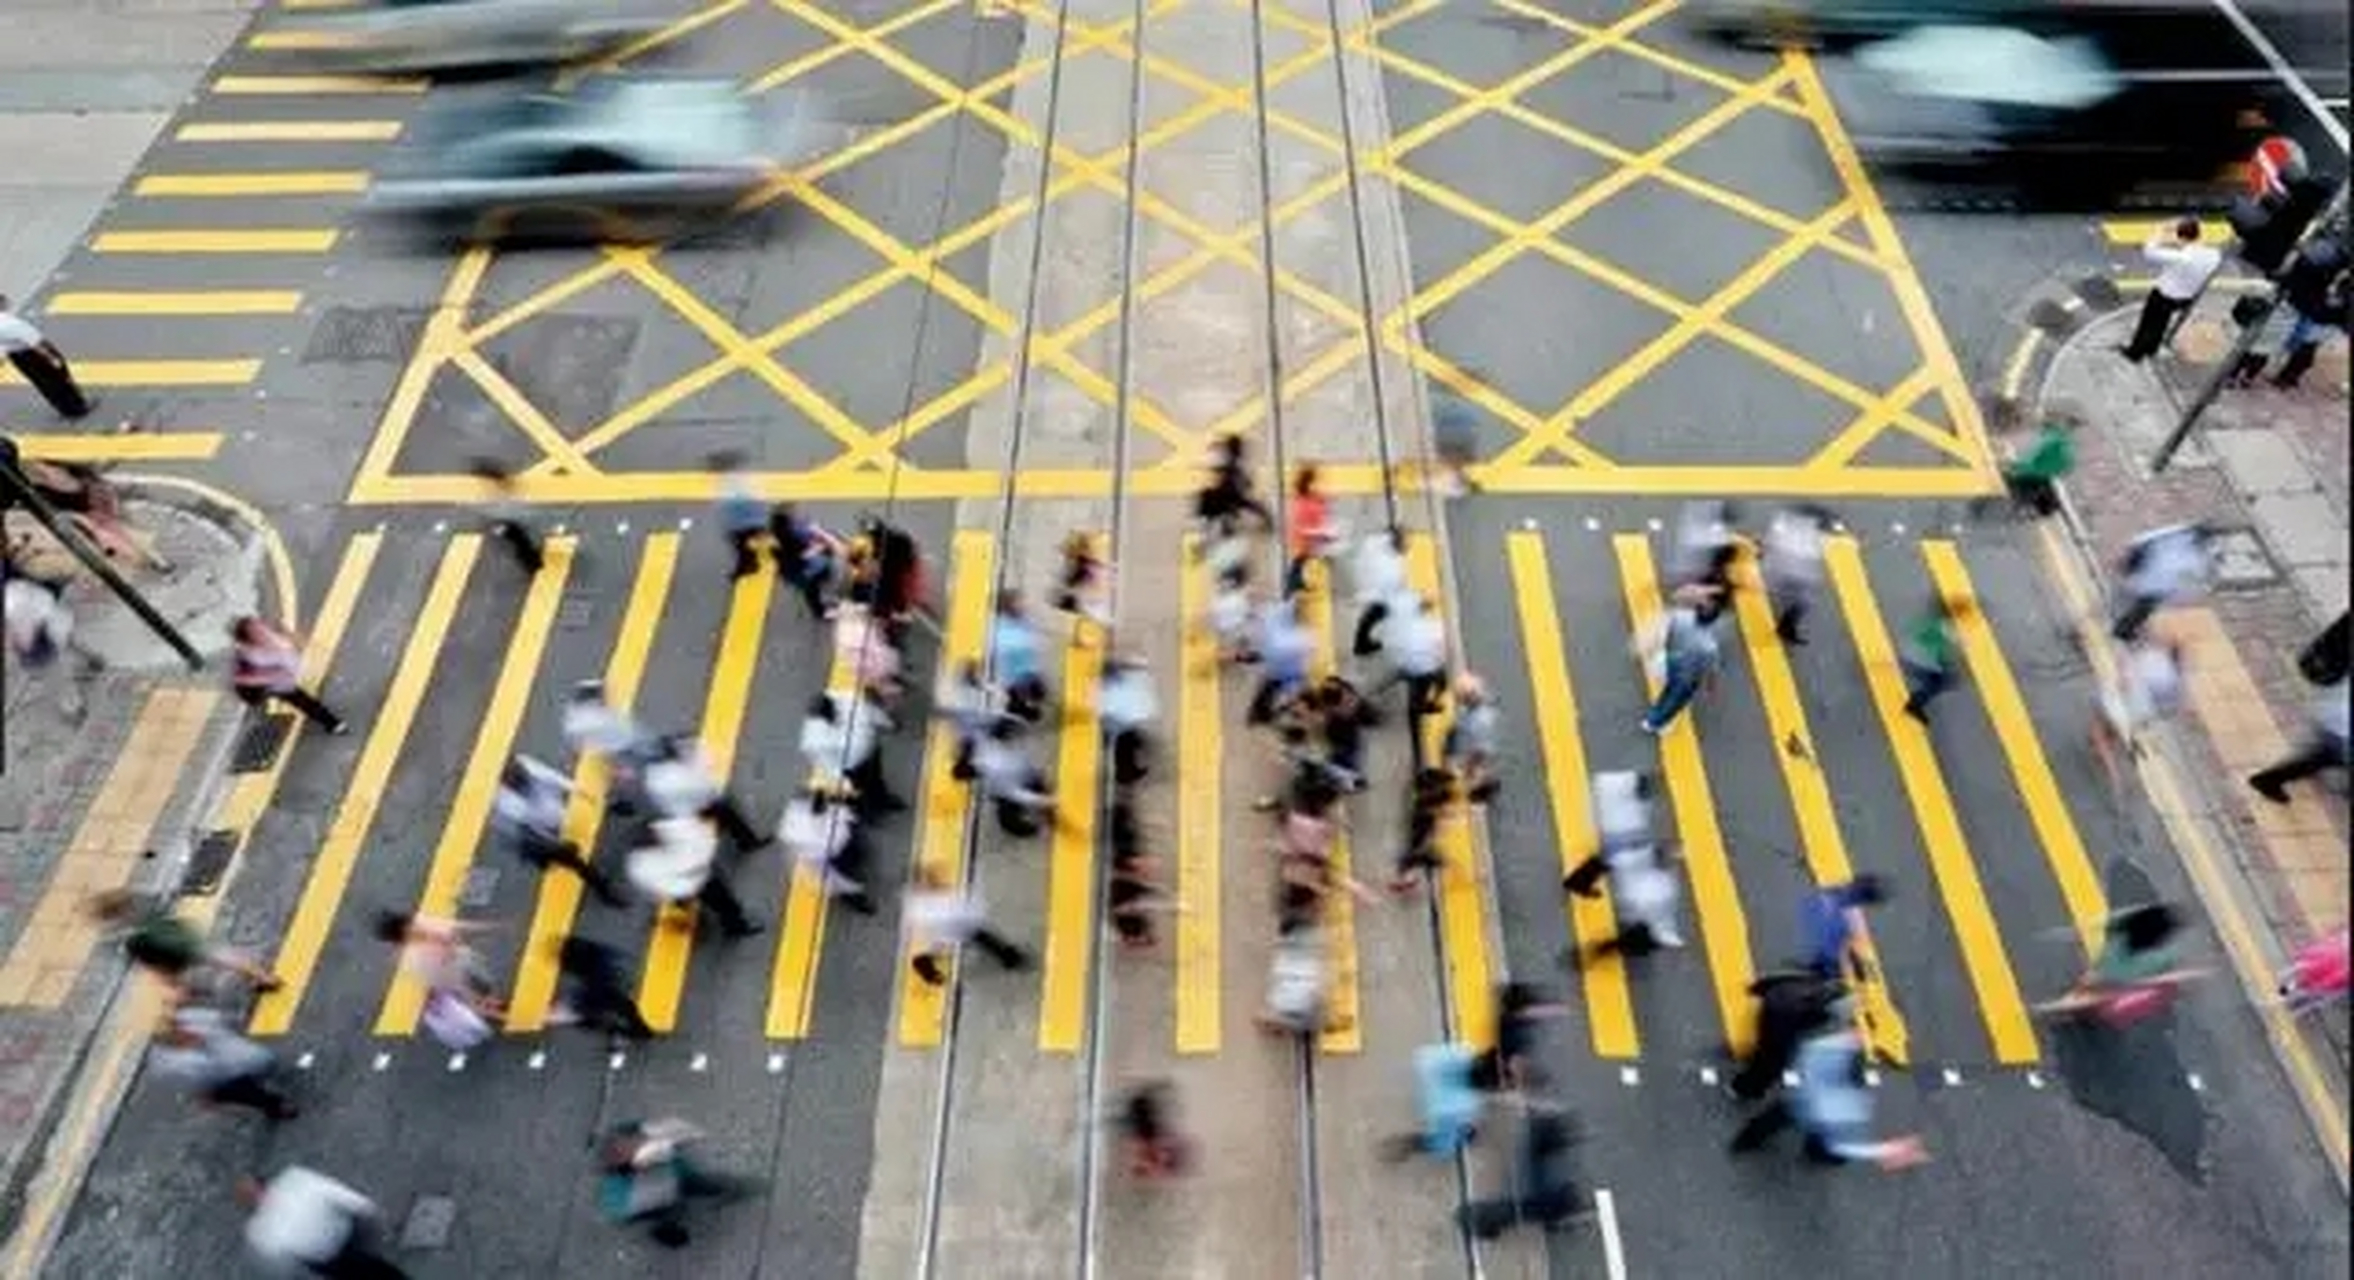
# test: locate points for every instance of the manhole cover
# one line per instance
(259, 744)
(207, 863)
(2242, 561)
(2099, 293)
(429, 1222)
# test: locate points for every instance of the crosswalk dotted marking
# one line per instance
(1070, 874)
(558, 899)
(1462, 899)
(1201, 712)
(946, 802)
(1610, 1015)
(792, 983)
(1344, 1030)
(1724, 928)
(494, 745)
(664, 978)
(331, 866)
(1983, 956)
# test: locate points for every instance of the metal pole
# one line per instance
(22, 492)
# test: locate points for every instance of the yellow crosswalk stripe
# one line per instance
(1715, 898)
(1610, 1014)
(792, 981)
(295, 41)
(923, 1008)
(291, 86)
(332, 865)
(2080, 885)
(1461, 897)
(1070, 872)
(1882, 1027)
(215, 302)
(665, 975)
(1344, 1030)
(1988, 965)
(1201, 969)
(333, 182)
(558, 900)
(289, 240)
(494, 745)
(155, 373)
(2133, 233)
(290, 131)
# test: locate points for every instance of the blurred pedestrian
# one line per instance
(1415, 638)
(1469, 749)
(1296, 967)
(1014, 787)
(1149, 1134)
(1232, 609)
(969, 706)
(43, 366)
(1707, 544)
(2184, 268)
(941, 916)
(1083, 585)
(168, 946)
(1310, 528)
(807, 557)
(1831, 1105)
(306, 1223)
(1226, 495)
(2317, 974)
(841, 738)
(1646, 889)
(680, 782)
(593, 726)
(1341, 718)
(743, 517)
(1378, 573)
(2148, 689)
(2318, 292)
(681, 865)
(1791, 565)
(1017, 656)
(1285, 649)
(864, 641)
(648, 1175)
(1449, 1103)
(821, 835)
(527, 814)
(901, 589)
(1127, 706)
(93, 506)
(224, 1068)
(1133, 896)
(2162, 568)
(507, 521)
(2327, 746)
(1542, 1189)
(439, 954)
(41, 632)
(1454, 436)
(1680, 649)
(1622, 802)
(1831, 925)
(595, 991)
(2031, 479)
(1419, 858)
(1792, 1004)
(267, 666)
(1929, 656)
(1511, 1063)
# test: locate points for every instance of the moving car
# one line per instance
(1841, 24)
(619, 160)
(402, 36)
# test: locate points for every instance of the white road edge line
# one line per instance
(2280, 67)
(1614, 1255)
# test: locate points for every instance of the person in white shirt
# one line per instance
(42, 364)
(969, 706)
(940, 916)
(1645, 888)
(1622, 819)
(1378, 572)
(842, 740)
(528, 813)
(1706, 543)
(1007, 779)
(593, 726)
(305, 1222)
(2328, 745)
(1416, 639)
(2163, 567)
(822, 834)
(1231, 607)
(1470, 748)
(2184, 268)
(680, 782)
(41, 634)
(682, 865)
(1126, 706)
(1792, 565)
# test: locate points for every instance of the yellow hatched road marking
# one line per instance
(2007, 1026)
(1201, 969)
(331, 866)
(923, 1007)
(1610, 1014)
(792, 979)
(155, 373)
(1344, 1028)
(291, 131)
(214, 302)
(1877, 1018)
(1461, 898)
(1715, 898)
(494, 745)
(277, 241)
(559, 895)
(301, 85)
(1070, 875)
(665, 975)
(2080, 885)
(328, 182)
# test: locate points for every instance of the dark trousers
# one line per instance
(1921, 686)
(2149, 332)
(1025, 699)
(545, 851)
(1001, 950)
(523, 541)
(1269, 698)
(600, 990)
(2292, 370)
(1424, 693)
(2137, 615)
(745, 543)
(811, 583)
(256, 1091)
(359, 1258)
(1131, 757)
(299, 698)
(54, 379)
(2318, 755)
(729, 817)
(1367, 641)
(1418, 855)
(720, 897)
(874, 790)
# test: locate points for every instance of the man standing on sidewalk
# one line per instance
(42, 364)
(2184, 268)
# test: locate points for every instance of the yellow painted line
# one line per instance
(1462, 898)
(250, 86)
(2015, 369)
(494, 746)
(2133, 233)
(520, 411)
(300, 5)
(1983, 956)
(1877, 1018)
(665, 974)
(293, 41)
(326, 182)
(441, 336)
(1344, 1025)
(558, 899)
(291, 131)
(332, 865)
(176, 446)
(1070, 870)
(1201, 969)
(1715, 898)
(1610, 1011)
(216, 302)
(792, 979)
(923, 1008)
(155, 373)
(2080, 884)
(282, 241)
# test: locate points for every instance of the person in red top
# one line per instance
(269, 665)
(1311, 531)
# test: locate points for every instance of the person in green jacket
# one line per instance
(169, 947)
(2033, 474)
(1928, 658)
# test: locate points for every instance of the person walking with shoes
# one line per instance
(681, 783)
(1377, 570)
(594, 990)
(1928, 657)
(682, 865)
(2184, 268)
(42, 364)
(941, 917)
(224, 1068)
(528, 814)
(268, 666)
(2327, 746)
(507, 521)
(305, 1221)
(1791, 565)
(1684, 646)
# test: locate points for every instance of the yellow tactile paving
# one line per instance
(49, 956)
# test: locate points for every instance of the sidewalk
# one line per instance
(2268, 469)
(85, 88)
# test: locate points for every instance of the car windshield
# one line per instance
(1997, 65)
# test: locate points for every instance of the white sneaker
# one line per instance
(1668, 938)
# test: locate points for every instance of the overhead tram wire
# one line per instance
(1449, 1016)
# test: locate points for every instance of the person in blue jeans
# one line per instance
(1832, 917)
(1692, 653)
